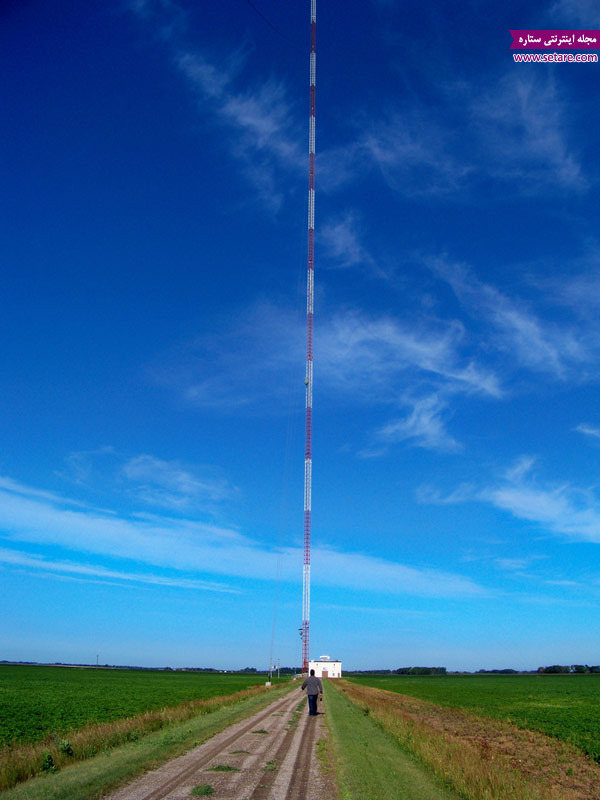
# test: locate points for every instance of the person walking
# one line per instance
(314, 688)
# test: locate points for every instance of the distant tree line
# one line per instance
(578, 669)
(369, 672)
(420, 671)
(400, 671)
(497, 672)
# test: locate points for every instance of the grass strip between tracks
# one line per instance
(94, 777)
(369, 762)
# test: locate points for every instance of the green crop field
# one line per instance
(36, 701)
(564, 706)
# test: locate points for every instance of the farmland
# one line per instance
(563, 706)
(36, 701)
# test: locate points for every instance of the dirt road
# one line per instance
(270, 756)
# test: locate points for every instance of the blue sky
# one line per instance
(152, 313)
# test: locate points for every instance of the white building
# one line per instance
(326, 667)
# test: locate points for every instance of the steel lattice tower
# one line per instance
(305, 630)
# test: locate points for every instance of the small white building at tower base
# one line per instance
(326, 667)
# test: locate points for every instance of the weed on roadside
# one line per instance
(48, 764)
(271, 766)
(202, 791)
(294, 719)
(325, 757)
(235, 752)
(260, 731)
(224, 768)
(65, 747)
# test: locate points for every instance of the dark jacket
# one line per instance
(313, 685)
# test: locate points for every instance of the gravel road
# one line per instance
(270, 756)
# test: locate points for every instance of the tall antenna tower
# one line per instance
(308, 380)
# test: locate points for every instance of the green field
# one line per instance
(36, 701)
(564, 706)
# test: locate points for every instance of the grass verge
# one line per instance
(482, 759)
(369, 762)
(99, 774)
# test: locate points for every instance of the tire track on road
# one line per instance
(246, 761)
(206, 754)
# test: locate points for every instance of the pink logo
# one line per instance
(546, 40)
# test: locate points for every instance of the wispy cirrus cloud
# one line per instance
(147, 479)
(39, 563)
(189, 547)
(168, 484)
(589, 430)
(535, 342)
(511, 565)
(559, 509)
(579, 289)
(355, 350)
(413, 154)
(565, 510)
(363, 360)
(584, 12)
(257, 120)
(342, 240)
(424, 427)
(522, 128)
(514, 129)
(375, 350)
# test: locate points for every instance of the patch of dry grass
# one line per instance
(483, 759)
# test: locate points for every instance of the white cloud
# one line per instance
(14, 487)
(373, 351)
(169, 485)
(567, 13)
(535, 343)
(464, 493)
(337, 166)
(589, 430)
(522, 125)
(412, 152)
(167, 16)
(17, 558)
(204, 76)
(515, 130)
(193, 547)
(262, 133)
(581, 293)
(146, 478)
(252, 362)
(520, 469)
(563, 510)
(257, 121)
(248, 364)
(341, 238)
(424, 427)
(512, 564)
(565, 583)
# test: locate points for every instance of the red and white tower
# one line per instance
(305, 630)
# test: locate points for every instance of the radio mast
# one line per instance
(308, 380)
